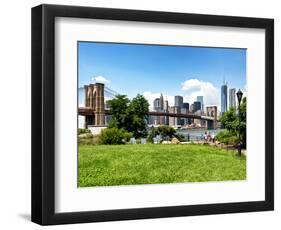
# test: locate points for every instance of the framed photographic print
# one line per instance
(142, 114)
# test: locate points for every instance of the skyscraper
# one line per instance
(156, 104)
(156, 108)
(232, 98)
(161, 109)
(196, 106)
(191, 108)
(171, 119)
(166, 110)
(179, 101)
(224, 98)
(166, 105)
(186, 106)
(174, 120)
(200, 99)
(161, 102)
(185, 110)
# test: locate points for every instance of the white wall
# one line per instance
(96, 130)
(15, 127)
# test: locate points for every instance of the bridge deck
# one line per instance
(85, 111)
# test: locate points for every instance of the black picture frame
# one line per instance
(43, 114)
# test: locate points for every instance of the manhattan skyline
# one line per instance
(153, 69)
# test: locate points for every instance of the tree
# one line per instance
(129, 115)
(230, 120)
(243, 123)
(137, 116)
(118, 109)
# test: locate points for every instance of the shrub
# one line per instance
(127, 135)
(96, 139)
(85, 138)
(85, 141)
(165, 131)
(82, 131)
(111, 136)
(180, 137)
(88, 139)
(227, 137)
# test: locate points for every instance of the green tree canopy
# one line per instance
(129, 115)
(230, 120)
(137, 116)
(118, 108)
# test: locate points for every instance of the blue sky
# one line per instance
(152, 69)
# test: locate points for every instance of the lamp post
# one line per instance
(239, 97)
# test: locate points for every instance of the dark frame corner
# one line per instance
(43, 126)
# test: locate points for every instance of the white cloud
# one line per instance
(194, 87)
(100, 79)
(190, 90)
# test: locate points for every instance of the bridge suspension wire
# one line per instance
(106, 89)
(110, 91)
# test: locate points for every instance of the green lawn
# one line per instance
(101, 165)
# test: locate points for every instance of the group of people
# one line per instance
(207, 137)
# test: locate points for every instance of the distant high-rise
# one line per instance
(224, 98)
(174, 120)
(185, 110)
(161, 102)
(191, 108)
(166, 105)
(200, 98)
(179, 101)
(166, 109)
(196, 106)
(232, 98)
(171, 119)
(156, 104)
(186, 106)
(156, 107)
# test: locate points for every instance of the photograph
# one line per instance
(158, 114)
(141, 114)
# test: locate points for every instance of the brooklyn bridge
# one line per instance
(95, 111)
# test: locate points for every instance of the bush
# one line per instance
(180, 137)
(85, 141)
(85, 138)
(165, 131)
(82, 131)
(227, 137)
(127, 135)
(111, 136)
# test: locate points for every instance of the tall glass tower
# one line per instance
(179, 101)
(200, 99)
(224, 98)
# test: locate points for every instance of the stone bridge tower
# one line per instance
(94, 99)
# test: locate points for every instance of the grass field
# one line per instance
(102, 165)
